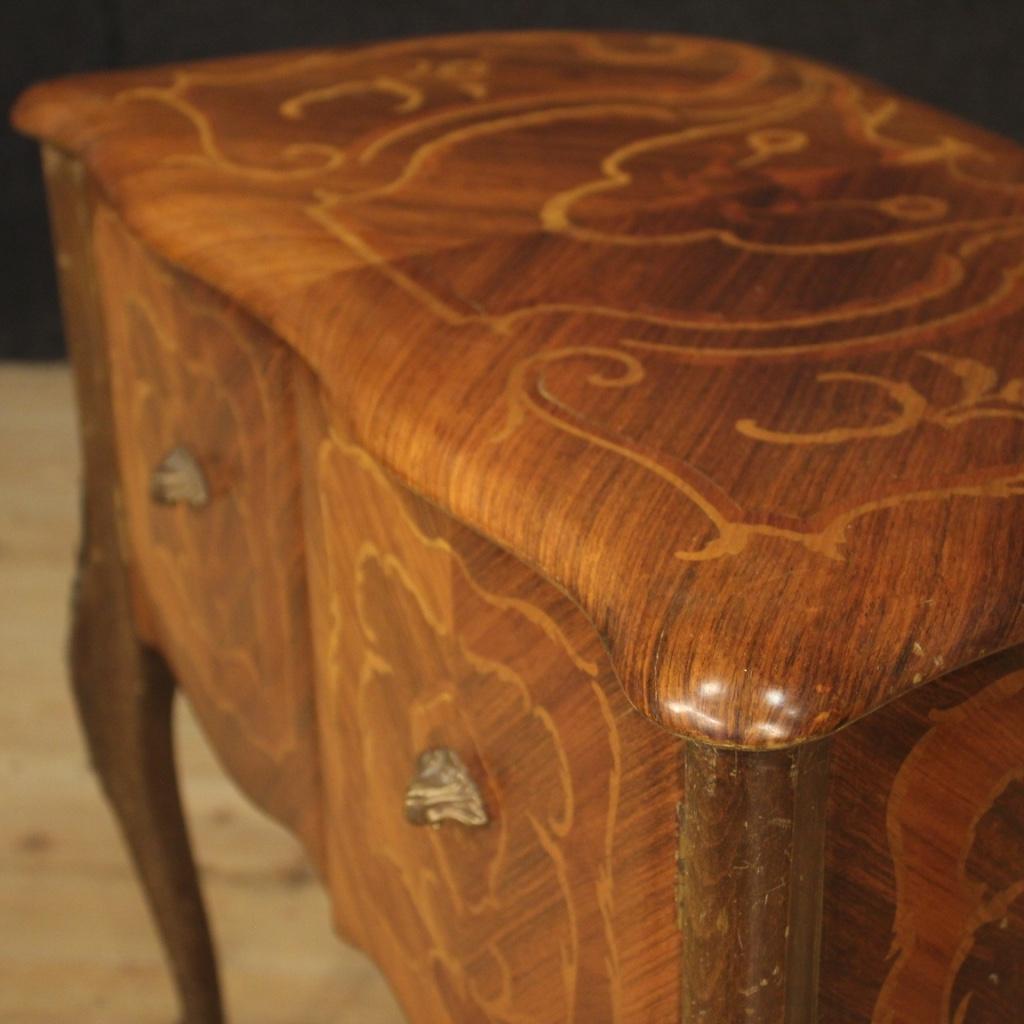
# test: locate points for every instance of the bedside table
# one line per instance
(579, 483)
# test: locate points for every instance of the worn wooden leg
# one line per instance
(752, 867)
(124, 691)
(124, 695)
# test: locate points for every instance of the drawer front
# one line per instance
(220, 584)
(561, 907)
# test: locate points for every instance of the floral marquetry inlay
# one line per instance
(701, 331)
(591, 445)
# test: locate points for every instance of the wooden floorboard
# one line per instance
(75, 942)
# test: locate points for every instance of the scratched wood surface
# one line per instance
(751, 883)
(742, 326)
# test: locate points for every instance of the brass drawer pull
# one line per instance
(179, 480)
(442, 789)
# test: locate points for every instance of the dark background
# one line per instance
(963, 55)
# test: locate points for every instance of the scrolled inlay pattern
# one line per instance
(745, 325)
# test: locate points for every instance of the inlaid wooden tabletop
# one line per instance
(725, 343)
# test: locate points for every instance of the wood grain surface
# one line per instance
(752, 860)
(561, 908)
(123, 689)
(925, 856)
(543, 378)
(873, 878)
(722, 341)
(220, 590)
(76, 946)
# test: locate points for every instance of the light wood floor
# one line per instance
(76, 946)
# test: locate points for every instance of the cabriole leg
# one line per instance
(124, 695)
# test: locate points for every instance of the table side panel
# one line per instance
(699, 329)
(924, 915)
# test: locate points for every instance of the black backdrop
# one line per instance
(959, 54)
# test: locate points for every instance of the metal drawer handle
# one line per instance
(179, 480)
(442, 789)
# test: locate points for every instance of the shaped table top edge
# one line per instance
(762, 418)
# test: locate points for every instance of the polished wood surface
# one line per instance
(744, 327)
(560, 909)
(530, 381)
(220, 590)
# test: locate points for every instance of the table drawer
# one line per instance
(214, 538)
(560, 907)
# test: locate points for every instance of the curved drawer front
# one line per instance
(214, 531)
(560, 908)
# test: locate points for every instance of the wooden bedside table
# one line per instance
(606, 449)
